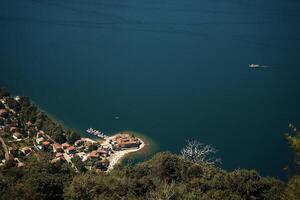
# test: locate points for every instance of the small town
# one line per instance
(21, 141)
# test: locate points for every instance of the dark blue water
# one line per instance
(171, 69)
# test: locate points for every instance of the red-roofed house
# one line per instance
(94, 155)
(57, 148)
(46, 143)
(58, 155)
(65, 145)
(127, 141)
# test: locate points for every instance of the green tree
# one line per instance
(13, 104)
(56, 132)
(79, 164)
(292, 190)
(294, 141)
(72, 136)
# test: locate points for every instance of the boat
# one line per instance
(96, 133)
(254, 66)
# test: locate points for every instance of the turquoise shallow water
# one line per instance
(171, 70)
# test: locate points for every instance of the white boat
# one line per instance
(254, 66)
(96, 133)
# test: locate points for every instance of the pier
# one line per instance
(96, 133)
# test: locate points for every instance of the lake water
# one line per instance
(171, 70)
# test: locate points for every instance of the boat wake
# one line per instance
(258, 66)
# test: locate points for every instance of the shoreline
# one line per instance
(115, 158)
(119, 155)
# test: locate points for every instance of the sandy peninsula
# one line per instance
(119, 154)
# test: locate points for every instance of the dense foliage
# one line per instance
(39, 180)
(165, 176)
(292, 191)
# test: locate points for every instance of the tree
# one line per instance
(78, 163)
(168, 167)
(197, 152)
(292, 190)
(72, 136)
(40, 120)
(56, 133)
(294, 141)
(24, 101)
(93, 147)
(165, 192)
(13, 104)
(28, 113)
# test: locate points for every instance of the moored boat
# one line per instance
(97, 133)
